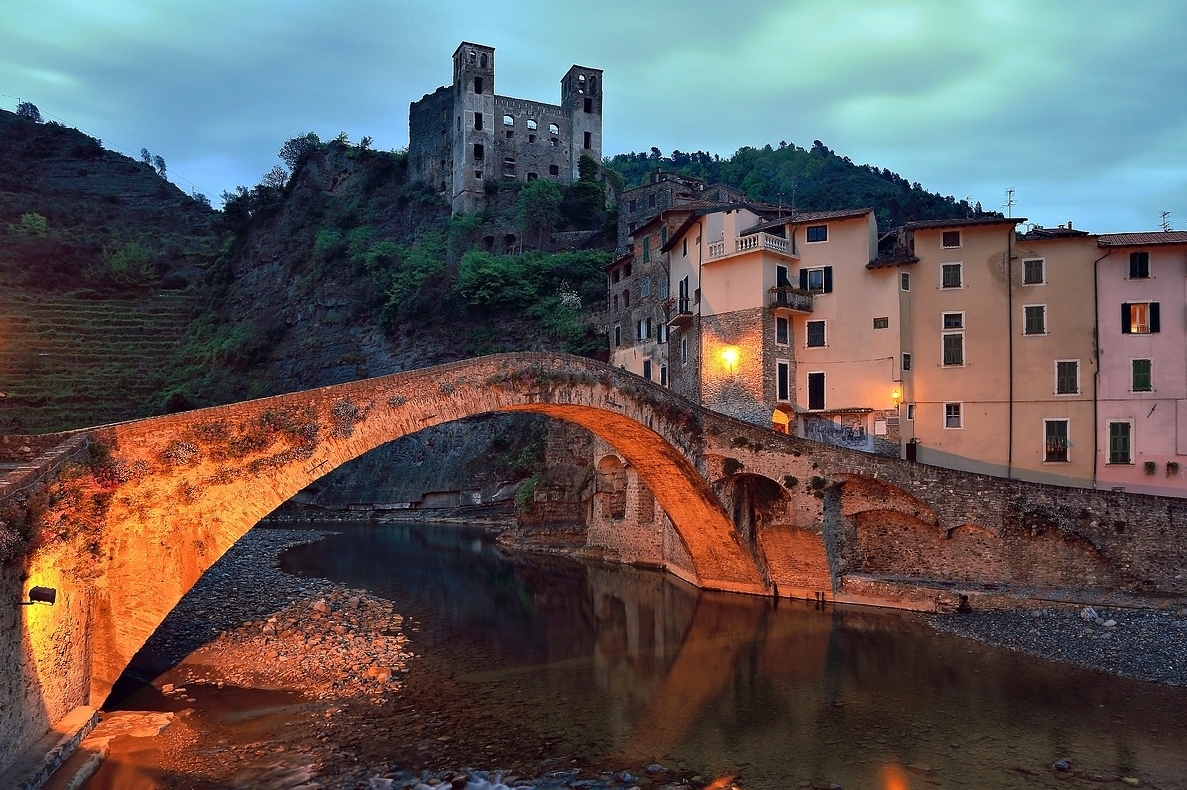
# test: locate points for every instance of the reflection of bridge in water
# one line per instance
(733, 506)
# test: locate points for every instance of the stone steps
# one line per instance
(33, 769)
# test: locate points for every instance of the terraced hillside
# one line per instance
(67, 362)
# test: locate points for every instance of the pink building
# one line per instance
(1141, 424)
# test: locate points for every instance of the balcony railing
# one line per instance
(796, 300)
(678, 311)
(755, 241)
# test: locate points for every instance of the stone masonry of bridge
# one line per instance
(718, 502)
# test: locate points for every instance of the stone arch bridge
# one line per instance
(721, 503)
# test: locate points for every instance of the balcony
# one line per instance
(678, 312)
(764, 242)
(790, 300)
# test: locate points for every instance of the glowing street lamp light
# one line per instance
(729, 357)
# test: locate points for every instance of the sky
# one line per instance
(1079, 106)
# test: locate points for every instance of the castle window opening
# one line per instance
(478, 122)
(593, 84)
(508, 120)
(478, 174)
(581, 83)
(553, 129)
(553, 170)
(478, 84)
(473, 56)
(483, 60)
(531, 138)
(587, 141)
(510, 134)
(533, 176)
(588, 104)
(479, 152)
(531, 125)
(554, 142)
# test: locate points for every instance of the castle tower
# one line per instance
(474, 114)
(581, 99)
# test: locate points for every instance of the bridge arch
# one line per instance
(191, 484)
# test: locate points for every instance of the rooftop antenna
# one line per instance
(793, 186)
(1009, 204)
(1166, 221)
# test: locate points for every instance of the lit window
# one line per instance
(1067, 377)
(815, 334)
(817, 233)
(1120, 442)
(1142, 375)
(950, 275)
(1055, 440)
(952, 415)
(1032, 272)
(1034, 319)
(950, 238)
(1139, 318)
(1139, 265)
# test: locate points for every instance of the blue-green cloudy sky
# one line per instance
(1079, 105)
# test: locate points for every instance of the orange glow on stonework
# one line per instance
(894, 778)
(729, 356)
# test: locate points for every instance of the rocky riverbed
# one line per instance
(1142, 644)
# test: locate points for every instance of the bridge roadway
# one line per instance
(740, 508)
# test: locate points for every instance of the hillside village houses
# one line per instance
(962, 343)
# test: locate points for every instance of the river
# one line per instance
(544, 657)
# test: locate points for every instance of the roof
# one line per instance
(1148, 239)
(620, 259)
(710, 207)
(1038, 232)
(807, 216)
(960, 223)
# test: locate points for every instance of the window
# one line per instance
(684, 349)
(663, 375)
(626, 270)
(1034, 319)
(1121, 442)
(1139, 318)
(910, 411)
(904, 281)
(644, 328)
(646, 250)
(882, 323)
(587, 141)
(478, 84)
(1032, 272)
(950, 239)
(478, 174)
(782, 380)
(508, 120)
(684, 248)
(588, 107)
(662, 333)
(819, 280)
(626, 299)
(630, 206)
(479, 152)
(1143, 375)
(618, 336)
(663, 289)
(645, 287)
(663, 235)
(952, 417)
(906, 361)
(553, 170)
(1067, 377)
(651, 200)
(647, 369)
(817, 233)
(815, 391)
(483, 60)
(553, 129)
(478, 122)
(1055, 441)
(1139, 265)
(815, 334)
(532, 125)
(782, 331)
(953, 342)
(950, 275)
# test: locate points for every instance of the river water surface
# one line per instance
(622, 667)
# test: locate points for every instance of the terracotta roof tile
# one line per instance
(891, 260)
(1148, 239)
(800, 217)
(959, 223)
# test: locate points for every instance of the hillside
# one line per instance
(810, 179)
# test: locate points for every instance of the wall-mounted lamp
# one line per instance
(41, 595)
(896, 396)
(729, 357)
